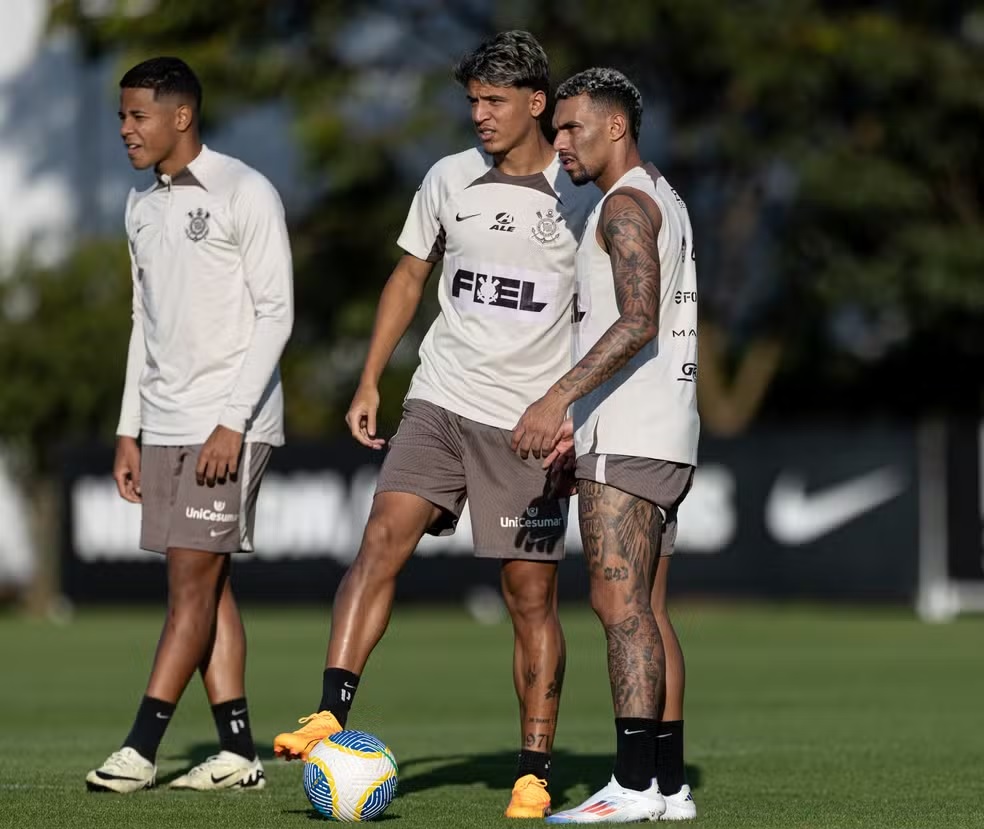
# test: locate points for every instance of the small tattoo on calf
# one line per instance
(541, 741)
(554, 688)
(530, 677)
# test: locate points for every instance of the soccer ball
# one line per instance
(350, 776)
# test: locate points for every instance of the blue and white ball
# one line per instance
(350, 776)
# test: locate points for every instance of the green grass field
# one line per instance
(796, 717)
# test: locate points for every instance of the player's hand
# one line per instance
(126, 468)
(539, 426)
(561, 463)
(361, 417)
(219, 457)
(563, 443)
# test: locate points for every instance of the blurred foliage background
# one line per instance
(829, 152)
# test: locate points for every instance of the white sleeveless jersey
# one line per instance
(649, 408)
(507, 242)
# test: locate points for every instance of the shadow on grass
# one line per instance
(496, 770)
(311, 814)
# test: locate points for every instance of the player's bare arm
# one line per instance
(629, 229)
(397, 305)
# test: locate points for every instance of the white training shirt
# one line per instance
(649, 408)
(503, 333)
(212, 305)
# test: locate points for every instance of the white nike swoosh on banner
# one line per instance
(793, 516)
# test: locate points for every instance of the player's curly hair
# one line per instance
(610, 88)
(166, 76)
(508, 59)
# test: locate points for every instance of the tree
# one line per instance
(63, 351)
(828, 151)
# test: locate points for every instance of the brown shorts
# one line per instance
(663, 483)
(178, 512)
(445, 458)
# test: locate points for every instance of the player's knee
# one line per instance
(602, 605)
(382, 551)
(529, 605)
(191, 609)
(378, 538)
(192, 590)
(611, 603)
(529, 591)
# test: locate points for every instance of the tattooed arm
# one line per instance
(629, 226)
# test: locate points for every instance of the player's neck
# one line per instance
(183, 155)
(618, 167)
(528, 158)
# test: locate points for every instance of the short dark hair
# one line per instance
(508, 59)
(166, 76)
(610, 88)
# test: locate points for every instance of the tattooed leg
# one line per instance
(620, 535)
(530, 592)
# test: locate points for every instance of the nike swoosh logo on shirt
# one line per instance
(795, 516)
(459, 218)
(217, 533)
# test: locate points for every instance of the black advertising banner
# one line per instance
(816, 512)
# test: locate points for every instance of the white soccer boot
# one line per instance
(224, 770)
(615, 804)
(680, 806)
(124, 771)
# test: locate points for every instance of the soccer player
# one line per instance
(632, 391)
(504, 220)
(212, 311)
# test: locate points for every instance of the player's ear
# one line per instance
(184, 117)
(617, 126)
(538, 103)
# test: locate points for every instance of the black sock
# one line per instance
(635, 753)
(669, 757)
(536, 763)
(153, 715)
(232, 723)
(337, 692)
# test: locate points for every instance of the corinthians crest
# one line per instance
(547, 228)
(198, 226)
